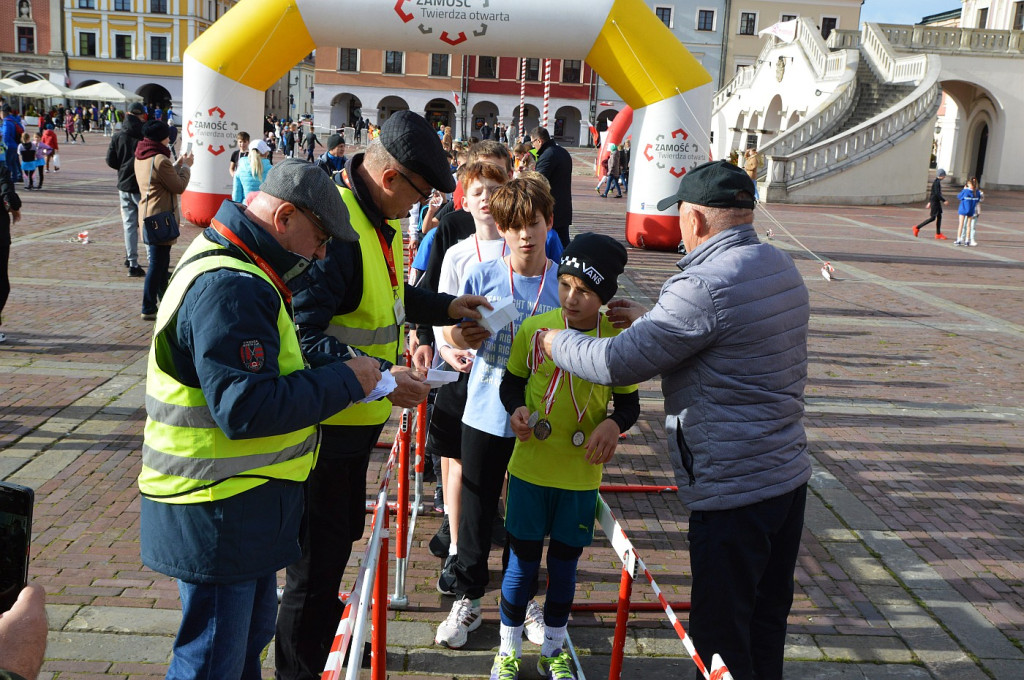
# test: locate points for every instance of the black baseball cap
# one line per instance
(411, 141)
(715, 185)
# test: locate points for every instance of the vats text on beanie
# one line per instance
(334, 140)
(411, 141)
(596, 259)
(716, 185)
(306, 186)
(156, 130)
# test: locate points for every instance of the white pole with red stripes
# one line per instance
(547, 92)
(522, 97)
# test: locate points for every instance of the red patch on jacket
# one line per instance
(252, 355)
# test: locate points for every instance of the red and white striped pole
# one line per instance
(522, 96)
(547, 92)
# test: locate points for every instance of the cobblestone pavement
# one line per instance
(912, 559)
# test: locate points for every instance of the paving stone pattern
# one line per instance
(911, 564)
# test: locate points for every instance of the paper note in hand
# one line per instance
(503, 314)
(385, 386)
(437, 377)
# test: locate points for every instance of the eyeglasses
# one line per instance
(327, 238)
(425, 195)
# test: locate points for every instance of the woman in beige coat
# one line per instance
(161, 181)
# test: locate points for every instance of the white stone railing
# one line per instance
(891, 67)
(743, 78)
(950, 39)
(812, 129)
(843, 39)
(856, 144)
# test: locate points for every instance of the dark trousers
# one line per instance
(484, 461)
(742, 562)
(156, 278)
(13, 162)
(335, 517)
(936, 217)
(5, 281)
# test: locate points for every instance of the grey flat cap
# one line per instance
(308, 187)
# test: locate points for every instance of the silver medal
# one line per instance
(542, 430)
(578, 438)
(532, 420)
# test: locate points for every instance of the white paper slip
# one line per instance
(436, 377)
(503, 314)
(385, 386)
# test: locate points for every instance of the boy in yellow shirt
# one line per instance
(564, 435)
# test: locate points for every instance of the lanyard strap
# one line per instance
(256, 259)
(559, 375)
(540, 290)
(479, 256)
(389, 259)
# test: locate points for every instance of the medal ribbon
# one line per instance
(572, 391)
(540, 290)
(479, 257)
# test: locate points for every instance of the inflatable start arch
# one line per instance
(229, 67)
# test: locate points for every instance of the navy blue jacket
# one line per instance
(555, 163)
(255, 532)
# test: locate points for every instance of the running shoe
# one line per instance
(942, 237)
(917, 230)
(556, 667)
(462, 620)
(506, 667)
(972, 243)
(534, 623)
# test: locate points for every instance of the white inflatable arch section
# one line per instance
(229, 67)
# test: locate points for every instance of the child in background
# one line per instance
(43, 153)
(49, 138)
(972, 221)
(564, 437)
(27, 154)
(968, 202)
(523, 213)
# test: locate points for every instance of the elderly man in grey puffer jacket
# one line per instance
(729, 339)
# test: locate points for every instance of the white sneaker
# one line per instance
(534, 623)
(3, 337)
(463, 619)
(973, 243)
(958, 242)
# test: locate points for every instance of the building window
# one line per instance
(486, 67)
(439, 64)
(26, 39)
(533, 69)
(157, 48)
(828, 24)
(752, 140)
(787, 17)
(983, 17)
(748, 23)
(664, 12)
(158, 6)
(1018, 16)
(348, 59)
(122, 47)
(393, 62)
(705, 20)
(572, 70)
(86, 4)
(122, 5)
(87, 44)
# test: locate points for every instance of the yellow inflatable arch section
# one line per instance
(229, 67)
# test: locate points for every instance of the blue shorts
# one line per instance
(533, 512)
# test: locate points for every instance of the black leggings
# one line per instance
(5, 282)
(936, 217)
(484, 461)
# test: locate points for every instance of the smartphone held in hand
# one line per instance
(15, 535)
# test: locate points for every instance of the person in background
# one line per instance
(333, 160)
(121, 157)
(242, 138)
(309, 143)
(935, 202)
(10, 213)
(252, 172)
(49, 138)
(555, 163)
(27, 153)
(161, 181)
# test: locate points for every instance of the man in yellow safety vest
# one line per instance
(233, 407)
(357, 303)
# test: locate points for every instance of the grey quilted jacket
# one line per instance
(729, 339)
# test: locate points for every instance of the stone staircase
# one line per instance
(873, 97)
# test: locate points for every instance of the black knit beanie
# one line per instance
(596, 259)
(156, 130)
